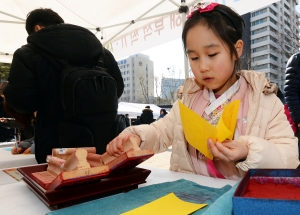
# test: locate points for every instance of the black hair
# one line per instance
(42, 16)
(163, 110)
(228, 27)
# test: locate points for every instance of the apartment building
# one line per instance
(271, 36)
(138, 75)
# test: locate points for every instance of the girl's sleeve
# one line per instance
(279, 148)
(158, 135)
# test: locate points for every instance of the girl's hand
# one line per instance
(115, 147)
(228, 151)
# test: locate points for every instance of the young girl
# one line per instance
(263, 137)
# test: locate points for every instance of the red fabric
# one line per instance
(288, 115)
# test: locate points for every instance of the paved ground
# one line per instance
(161, 160)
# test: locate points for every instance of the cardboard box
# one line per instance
(276, 204)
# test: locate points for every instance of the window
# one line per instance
(128, 72)
(272, 66)
(273, 39)
(286, 7)
(272, 11)
(260, 30)
(272, 57)
(275, 4)
(274, 76)
(287, 23)
(261, 57)
(273, 48)
(259, 12)
(262, 66)
(286, 15)
(273, 21)
(128, 78)
(259, 21)
(128, 85)
(287, 48)
(260, 39)
(258, 49)
(273, 29)
(127, 65)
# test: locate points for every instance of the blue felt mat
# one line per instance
(120, 203)
(8, 149)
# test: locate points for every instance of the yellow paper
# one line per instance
(197, 130)
(169, 204)
(227, 122)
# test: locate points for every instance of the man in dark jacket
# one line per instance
(292, 90)
(147, 116)
(34, 81)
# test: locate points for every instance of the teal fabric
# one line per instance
(223, 205)
(117, 204)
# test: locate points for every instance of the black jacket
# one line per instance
(34, 81)
(146, 116)
(6, 134)
(292, 87)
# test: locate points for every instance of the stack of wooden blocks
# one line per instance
(67, 166)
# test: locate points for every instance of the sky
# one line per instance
(168, 55)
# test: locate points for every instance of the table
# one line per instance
(19, 199)
(8, 160)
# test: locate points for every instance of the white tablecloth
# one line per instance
(8, 160)
(17, 198)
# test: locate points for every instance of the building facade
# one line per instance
(271, 36)
(138, 75)
(169, 87)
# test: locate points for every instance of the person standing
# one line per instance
(138, 120)
(163, 113)
(146, 116)
(34, 80)
(127, 120)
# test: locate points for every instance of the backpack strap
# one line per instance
(56, 62)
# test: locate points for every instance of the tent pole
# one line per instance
(184, 9)
(16, 17)
(185, 62)
(13, 22)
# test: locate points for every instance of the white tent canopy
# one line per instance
(124, 25)
(135, 109)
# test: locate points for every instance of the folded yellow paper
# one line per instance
(197, 130)
(169, 204)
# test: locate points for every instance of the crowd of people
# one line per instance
(212, 40)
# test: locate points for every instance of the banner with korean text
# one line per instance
(167, 28)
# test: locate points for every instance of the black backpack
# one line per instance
(119, 125)
(86, 92)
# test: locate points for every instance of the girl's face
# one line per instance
(210, 60)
